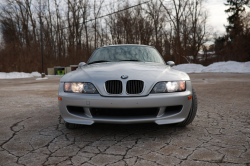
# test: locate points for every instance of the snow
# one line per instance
(190, 68)
(35, 74)
(210, 52)
(12, 75)
(42, 78)
(222, 67)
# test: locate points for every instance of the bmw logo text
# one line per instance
(124, 77)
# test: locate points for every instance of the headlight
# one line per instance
(80, 87)
(170, 86)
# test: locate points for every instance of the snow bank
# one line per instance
(190, 68)
(222, 67)
(36, 74)
(44, 78)
(12, 75)
(230, 67)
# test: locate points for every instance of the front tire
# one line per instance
(72, 125)
(192, 111)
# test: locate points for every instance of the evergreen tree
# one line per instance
(219, 44)
(236, 8)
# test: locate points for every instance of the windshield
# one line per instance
(126, 53)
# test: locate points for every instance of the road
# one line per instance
(32, 132)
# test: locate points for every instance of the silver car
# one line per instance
(126, 84)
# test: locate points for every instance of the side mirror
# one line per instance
(81, 64)
(170, 63)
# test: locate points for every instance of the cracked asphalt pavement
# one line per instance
(32, 132)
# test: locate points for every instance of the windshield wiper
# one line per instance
(98, 61)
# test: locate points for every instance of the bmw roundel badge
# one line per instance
(124, 77)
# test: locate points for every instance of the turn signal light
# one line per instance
(59, 98)
(190, 97)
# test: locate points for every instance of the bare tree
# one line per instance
(157, 16)
(73, 29)
(199, 30)
(97, 11)
(189, 22)
(176, 14)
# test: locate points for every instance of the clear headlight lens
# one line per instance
(77, 87)
(89, 88)
(170, 86)
(160, 87)
(80, 87)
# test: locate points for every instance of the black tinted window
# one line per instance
(123, 53)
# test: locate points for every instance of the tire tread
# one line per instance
(192, 112)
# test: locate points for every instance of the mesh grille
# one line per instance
(134, 86)
(122, 113)
(114, 86)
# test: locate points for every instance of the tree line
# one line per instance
(73, 29)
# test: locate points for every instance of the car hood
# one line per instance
(149, 72)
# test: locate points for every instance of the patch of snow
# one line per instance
(222, 67)
(35, 74)
(209, 52)
(44, 78)
(12, 75)
(189, 68)
(190, 57)
(230, 66)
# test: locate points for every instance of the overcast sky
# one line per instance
(218, 17)
(216, 8)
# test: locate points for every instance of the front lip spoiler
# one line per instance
(117, 121)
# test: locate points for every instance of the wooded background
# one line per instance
(73, 29)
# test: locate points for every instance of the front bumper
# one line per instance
(159, 100)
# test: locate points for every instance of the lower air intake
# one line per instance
(116, 112)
